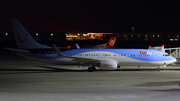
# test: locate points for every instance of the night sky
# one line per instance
(91, 16)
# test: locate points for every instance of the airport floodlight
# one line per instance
(37, 34)
(6, 34)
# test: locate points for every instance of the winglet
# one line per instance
(77, 46)
(58, 51)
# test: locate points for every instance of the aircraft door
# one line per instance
(155, 56)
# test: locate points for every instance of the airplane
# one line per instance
(102, 58)
(109, 44)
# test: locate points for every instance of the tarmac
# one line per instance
(25, 80)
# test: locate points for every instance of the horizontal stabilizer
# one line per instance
(16, 50)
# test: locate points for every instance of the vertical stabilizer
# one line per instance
(111, 42)
(23, 39)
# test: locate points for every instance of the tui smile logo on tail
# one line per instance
(21, 41)
(111, 43)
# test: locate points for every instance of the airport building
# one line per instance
(55, 36)
(122, 39)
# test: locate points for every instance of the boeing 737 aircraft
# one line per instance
(102, 58)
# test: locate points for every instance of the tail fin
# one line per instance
(111, 42)
(23, 39)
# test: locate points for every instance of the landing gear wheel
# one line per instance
(94, 68)
(158, 69)
(90, 69)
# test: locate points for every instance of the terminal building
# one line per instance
(139, 40)
(55, 36)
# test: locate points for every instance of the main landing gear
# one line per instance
(158, 69)
(91, 68)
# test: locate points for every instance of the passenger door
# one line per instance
(155, 56)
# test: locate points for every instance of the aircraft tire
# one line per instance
(158, 69)
(94, 68)
(90, 69)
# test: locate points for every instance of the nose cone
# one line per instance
(172, 59)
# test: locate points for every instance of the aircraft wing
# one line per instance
(83, 60)
(87, 61)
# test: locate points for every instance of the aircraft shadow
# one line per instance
(162, 83)
(85, 70)
(53, 69)
(168, 90)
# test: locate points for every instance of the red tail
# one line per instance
(111, 42)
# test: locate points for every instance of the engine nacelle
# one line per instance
(108, 64)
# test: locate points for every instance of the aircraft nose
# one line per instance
(172, 59)
(175, 60)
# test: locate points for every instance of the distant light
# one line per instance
(153, 35)
(149, 46)
(171, 39)
(84, 34)
(78, 34)
(131, 35)
(138, 35)
(51, 34)
(163, 45)
(37, 34)
(6, 34)
(132, 29)
(157, 35)
(69, 47)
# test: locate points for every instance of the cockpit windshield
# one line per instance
(165, 55)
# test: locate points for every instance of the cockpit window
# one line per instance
(165, 55)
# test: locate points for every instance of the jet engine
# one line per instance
(108, 64)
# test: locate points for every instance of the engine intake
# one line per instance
(108, 64)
